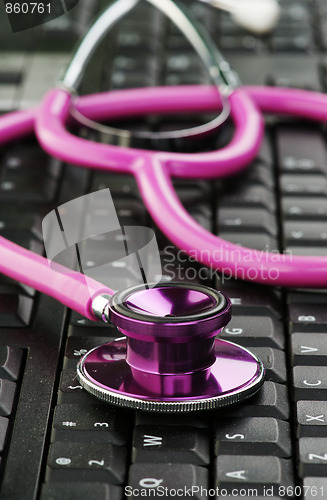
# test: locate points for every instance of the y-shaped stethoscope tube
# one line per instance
(153, 170)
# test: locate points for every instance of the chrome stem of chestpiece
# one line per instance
(170, 359)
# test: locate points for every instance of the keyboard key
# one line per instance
(311, 233)
(198, 420)
(15, 310)
(76, 491)
(311, 418)
(310, 382)
(301, 150)
(94, 423)
(248, 196)
(314, 208)
(309, 348)
(313, 457)
(253, 436)
(251, 299)
(260, 171)
(103, 462)
(11, 359)
(308, 251)
(7, 395)
(3, 432)
(78, 346)
(71, 391)
(256, 331)
(260, 472)
(274, 362)
(170, 444)
(258, 241)
(308, 313)
(185, 477)
(315, 488)
(248, 219)
(270, 401)
(305, 185)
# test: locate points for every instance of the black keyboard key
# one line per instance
(77, 491)
(119, 185)
(256, 331)
(253, 436)
(270, 401)
(260, 472)
(248, 219)
(3, 431)
(78, 346)
(96, 462)
(15, 310)
(7, 396)
(315, 488)
(198, 420)
(301, 150)
(259, 241)
(11, 359)
(305, 232)
(247, 195)
(309, 251)
(310, 382)
(184, 477)
(302, 42)
(170, 444)
(131, 212)
(82, 326)
(38, 189)
(251, 299)
(311, 418)
(193, 194)
(274, 361)
(71, 391)
(202, 215)
(295, 208)
(304, 185)
(309, 348)
(260, 172)
(313, 456)
(308, 312)
(10, 77)
(94, 423)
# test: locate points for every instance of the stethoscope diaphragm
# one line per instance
(170, 359)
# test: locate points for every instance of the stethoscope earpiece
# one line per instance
(257, 16)
(170, 359)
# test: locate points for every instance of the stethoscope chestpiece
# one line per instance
(170, 359)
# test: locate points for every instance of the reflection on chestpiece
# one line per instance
(170, 359)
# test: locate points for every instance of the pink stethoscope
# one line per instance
(153, 170)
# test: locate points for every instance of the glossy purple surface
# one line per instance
(170, 352)
(169, 302)
(171, 311)
(234, 371)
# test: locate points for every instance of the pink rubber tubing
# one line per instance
(153, 171)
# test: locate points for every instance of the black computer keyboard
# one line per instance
(57, 442)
